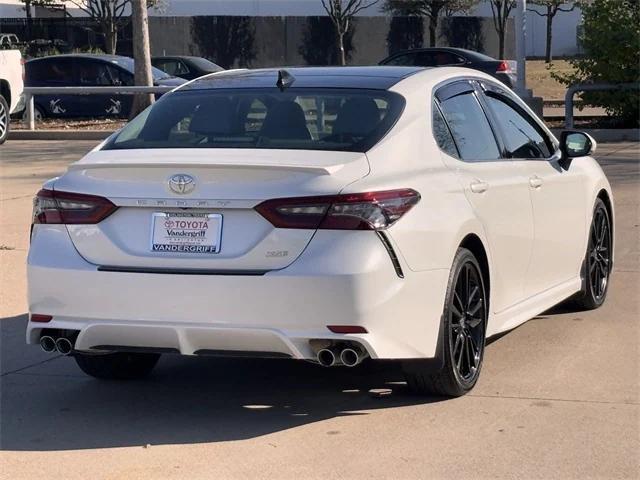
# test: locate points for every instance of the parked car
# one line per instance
(432, 210)
(9, 41)
(86, 70)
(446, 56)
(185, 67)
(11, 85)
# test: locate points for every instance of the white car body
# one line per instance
(270, 291)
(11, 78)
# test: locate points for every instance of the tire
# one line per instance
(117, 366)
(464, 322)
(4, 120)
(597, 262)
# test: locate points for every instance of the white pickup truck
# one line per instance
(11, 86)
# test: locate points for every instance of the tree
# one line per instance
(341, 13)
(551, 9)
(141, 55)
(28, 4)
(405, 33)
(432, 9)
(611, 42)
(501, 9)
(110, 17)
(318, 48)
(229, 41)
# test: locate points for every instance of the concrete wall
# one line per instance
(270, 41)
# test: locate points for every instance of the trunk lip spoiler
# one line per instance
(319, 169)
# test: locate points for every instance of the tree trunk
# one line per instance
(110, 32)
(27, 10)
(501, 34)
(433, 30)
(141, 55)
(547, 54)
(343, 56)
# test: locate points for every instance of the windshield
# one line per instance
(127, 64)
(303, 119)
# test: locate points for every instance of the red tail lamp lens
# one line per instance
(503, 67)
(352, 211)
(36, 317)
(53, 207)
(347, 329)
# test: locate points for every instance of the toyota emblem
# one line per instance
(182, 183)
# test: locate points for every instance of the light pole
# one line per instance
(521, 52)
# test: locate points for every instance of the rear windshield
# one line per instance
(303, 118)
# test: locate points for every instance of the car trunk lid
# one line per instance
(227, 184)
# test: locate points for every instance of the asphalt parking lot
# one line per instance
(558, 397)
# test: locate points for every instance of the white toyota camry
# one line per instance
(325, 214)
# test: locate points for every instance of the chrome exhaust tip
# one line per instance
(326, 357)
(64, 346)
(48, 344)
(350, 357)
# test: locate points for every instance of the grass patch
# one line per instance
(540, 81)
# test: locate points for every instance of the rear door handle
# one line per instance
(535, 181)
(478, 186)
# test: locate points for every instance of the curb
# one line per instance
(59, 134)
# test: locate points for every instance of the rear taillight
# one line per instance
(351, 211)
(503, 67)
(68, 208)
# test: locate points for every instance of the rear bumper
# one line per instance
(342, 278)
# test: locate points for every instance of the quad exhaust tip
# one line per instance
(48, 344)
(64, 346)
(326, 357)
(350, 357)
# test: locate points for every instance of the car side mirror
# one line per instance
(576, 144)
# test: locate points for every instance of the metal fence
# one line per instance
(590, 87)
(29, 93)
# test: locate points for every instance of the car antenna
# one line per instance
(285, 80)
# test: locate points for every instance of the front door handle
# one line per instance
(535, 181)
(478, 186)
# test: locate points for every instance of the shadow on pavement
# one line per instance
(46, 403)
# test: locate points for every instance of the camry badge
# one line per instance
(182, 183)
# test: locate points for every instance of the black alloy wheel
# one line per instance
(467, 323)
(464, 323)
(598, 261)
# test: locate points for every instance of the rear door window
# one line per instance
(92, 73)
(470, 128)
(437, 58)
(58, 72)
(408, 59)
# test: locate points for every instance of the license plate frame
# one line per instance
(200, 241)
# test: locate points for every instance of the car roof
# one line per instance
(95, 56)
(376, 77)
(470, 54)
(181, 57)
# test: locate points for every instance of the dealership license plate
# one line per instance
(186, 232)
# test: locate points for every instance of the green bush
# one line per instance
(610, 38)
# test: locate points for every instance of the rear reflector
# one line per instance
(503, 67)
(351, 211)
(35, 317)
(347, 329)
(68, 208)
